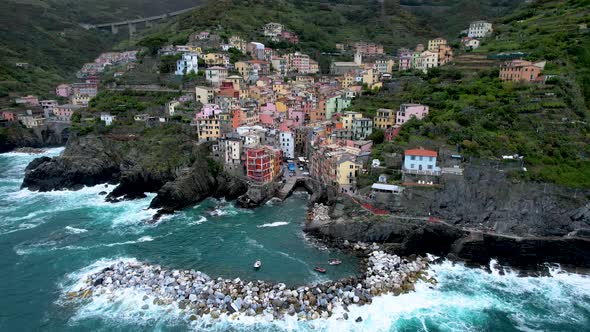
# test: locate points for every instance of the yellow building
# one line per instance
(348, 118)
(347, 170)
(370, 77)
(385, 118)
(204, 94)
(281, 107)
(348, 80)
(243, 68)
(215, 59)
(434, 44)
(214, 127)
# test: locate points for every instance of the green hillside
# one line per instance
(322, 24)
(46, 35)
(548, 123)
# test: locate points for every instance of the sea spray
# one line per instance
(199, 295)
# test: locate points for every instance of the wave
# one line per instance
(36, 248)
(201, 220)
(464, 299)
(274, 224)
(74, 230)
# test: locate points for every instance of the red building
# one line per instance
(263, 164)
(521, 70)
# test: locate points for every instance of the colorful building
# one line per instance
(521, 70)
(263, 164)
(408, 111)
(385, 118)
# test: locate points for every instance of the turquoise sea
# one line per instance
(50, 240)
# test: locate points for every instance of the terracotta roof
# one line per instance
(421, 152)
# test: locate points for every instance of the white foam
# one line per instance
(36, 248)
(74, 230)
(460, 302)
(274, 224)
(201, 220)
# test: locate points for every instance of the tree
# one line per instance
(153, 43)
(377, 136)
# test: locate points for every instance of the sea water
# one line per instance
(49, 241)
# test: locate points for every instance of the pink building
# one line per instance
(208, 110)
(8, 116)
(63, 90)
(267, 118)
(298, 117)
(268, 107)
(405, 59)
(408, 111)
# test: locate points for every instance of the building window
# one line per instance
(412, 158)
(412, 166)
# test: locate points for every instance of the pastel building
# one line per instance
(420, 160)
(63, 90)
(405, 59)
(480, 29)
(521, 70)
(215, 75)
(385, 118)
(189, 63)
(408, 111)
(287, 144)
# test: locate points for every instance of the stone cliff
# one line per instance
(482, 215)
(174, 167)
(14, 135)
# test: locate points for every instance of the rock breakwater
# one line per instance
(198, 295)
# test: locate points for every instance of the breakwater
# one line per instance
(198, 295)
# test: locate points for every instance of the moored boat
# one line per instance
(257, 265)
(334, 261)
(319, 269)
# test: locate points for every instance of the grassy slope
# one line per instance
(548, 124)
(322, 24)
(45, 34)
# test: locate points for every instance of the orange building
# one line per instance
(263, 164)
(521, 70)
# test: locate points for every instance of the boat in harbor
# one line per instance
(257, 265)
(319, 269)
(334, 261)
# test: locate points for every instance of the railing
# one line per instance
(421, 172)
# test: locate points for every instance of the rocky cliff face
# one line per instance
(180, 177)
(14, 136)
(483, 214)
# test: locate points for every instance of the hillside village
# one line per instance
(270, 115)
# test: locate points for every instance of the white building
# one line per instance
(480, 29)
(107, 118)
(272, 30)
(187, 64)
(215, 75)
(287, 143)
(427, 60)
(172, 107)
(232, 151)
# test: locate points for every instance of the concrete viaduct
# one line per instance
(132, 24)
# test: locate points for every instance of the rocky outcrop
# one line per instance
(194, 185)
(14, 136)
(180, 178)
(477, 217)
(86, 161)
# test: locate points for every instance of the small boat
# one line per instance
(257, 265)
(335, 262)
(319, 269)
